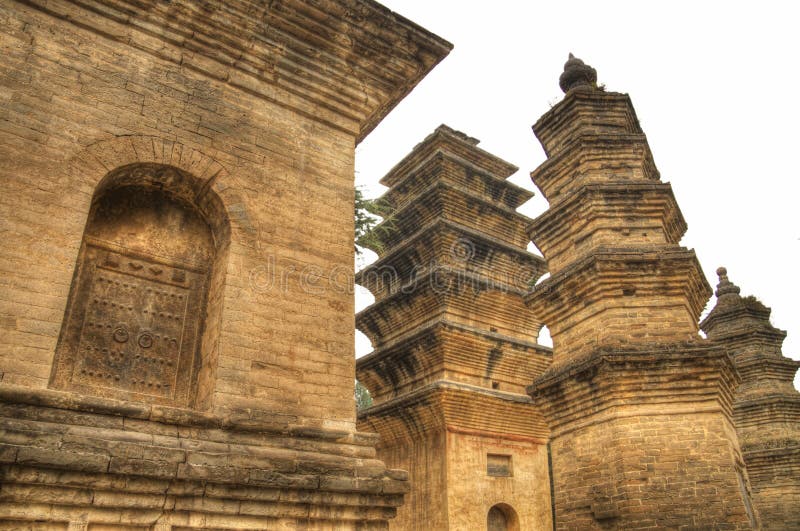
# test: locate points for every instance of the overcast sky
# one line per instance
(715, 86)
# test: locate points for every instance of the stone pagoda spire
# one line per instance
(766, 405)
(639, 406)
(454, 341)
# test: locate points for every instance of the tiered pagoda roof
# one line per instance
(611, 235)
(449, 317)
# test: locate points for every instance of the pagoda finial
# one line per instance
(725, 286)
(577, 74)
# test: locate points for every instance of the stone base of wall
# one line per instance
(71, 462)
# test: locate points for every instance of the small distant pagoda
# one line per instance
(638, 405)
(766, 405)
(455, 345)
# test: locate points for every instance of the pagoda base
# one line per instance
(644, 438)
(468, 450)
(78, 463)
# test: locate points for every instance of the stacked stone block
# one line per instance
(639, 407)
(766, 406)
(454, 342)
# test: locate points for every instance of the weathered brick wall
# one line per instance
(76, 105)
(472, 492)
(644, 458)
(425, 506)
(239, 115)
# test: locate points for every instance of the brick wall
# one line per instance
(77, 104)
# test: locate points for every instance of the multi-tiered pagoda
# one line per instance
(455, 344)
(639, 406)
(766, 406)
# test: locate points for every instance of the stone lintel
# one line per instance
(448, 243)
(454, 143)
(678, 379)
(344, 63)
(101, 455)
(651, 217)
(586, 112)
(592, 158)
(452, 406)
(444, 350)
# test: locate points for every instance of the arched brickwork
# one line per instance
(157, 236)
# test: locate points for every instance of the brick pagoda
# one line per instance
(639, 406)
(454, 342)
(766, 406)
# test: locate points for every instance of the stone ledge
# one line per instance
(449, 142)
(445, 290)
(554, 297)
(443, 199)
(445, 166)
(680, 378)
(651, 202)
(446, 405)
(183, 417)
(580, 109)
(781, 447)
(406, 253)
(427, 353)
(44, 445)
(591, 158)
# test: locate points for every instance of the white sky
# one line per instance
(715, 88)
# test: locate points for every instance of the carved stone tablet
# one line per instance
(134, 321)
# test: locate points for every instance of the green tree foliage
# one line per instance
(363, 398)
(369, 227)
(367, 213)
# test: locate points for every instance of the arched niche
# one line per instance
(145, 303)
(502, 517)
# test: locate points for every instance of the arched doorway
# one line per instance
(502, 517)
(137, 310)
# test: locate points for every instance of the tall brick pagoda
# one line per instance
(639, 406)
(766, 406)
(454, 342)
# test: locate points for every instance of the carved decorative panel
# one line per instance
(135, 317)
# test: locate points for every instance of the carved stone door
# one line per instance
(134, 321)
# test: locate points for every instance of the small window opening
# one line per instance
(498, 465)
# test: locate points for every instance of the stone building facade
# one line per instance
(176, 312)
